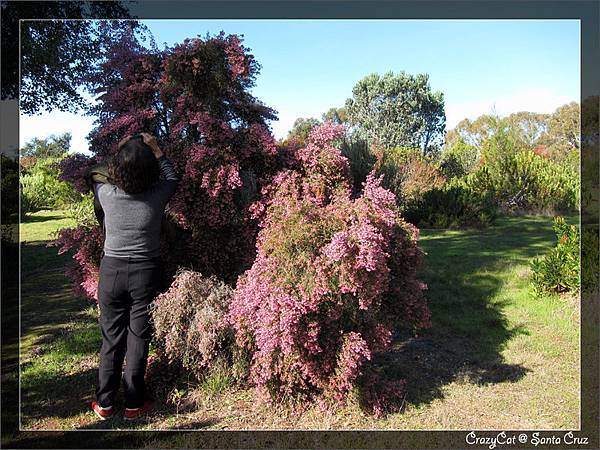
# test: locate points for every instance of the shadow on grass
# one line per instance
(118, 423)
(464, 272)
(29, 218)
(65, 395)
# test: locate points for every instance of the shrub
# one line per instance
(460, 202)
(82, 212)
(41, 187)
(332, 278)
(9, 205)
(524, 180)
(408, 174)
(458, 159)
(9, 191)
(86, 242)
(190, 326)
(361, 159)
(558, 270)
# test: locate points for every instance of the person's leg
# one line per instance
(143, 283)
(114, 319)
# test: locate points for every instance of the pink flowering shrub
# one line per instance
(72, 169)
(195, 97)
(189, 322)
(332, 278)
(86, 243)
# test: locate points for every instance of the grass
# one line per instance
(497, 357)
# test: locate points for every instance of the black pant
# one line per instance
(125, 290)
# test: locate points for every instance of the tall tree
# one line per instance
(336, 115)
(195, 97)
(398, 110)
(528, 127)
(48, 147)
(472, 132)
(301, 129)
(57, 55)
(562, 131)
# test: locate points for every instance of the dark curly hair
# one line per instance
(134, 167)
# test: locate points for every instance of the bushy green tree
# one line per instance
(52, 146)
(301, 129)
(336, 115)
(561, 135)
(408, 174)
(56, 56)
(42, 188)
(459, 159)
(398, 110)
(465, 201)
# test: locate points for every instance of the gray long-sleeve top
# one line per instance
(132, 221)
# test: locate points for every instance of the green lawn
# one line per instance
(495, 358)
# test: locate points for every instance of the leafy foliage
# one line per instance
(460, 202)
(58, 56)
(458, 159)
(558, 270)
(361, 159)
(86, 242)
(524, 180)
(82, 212)
(408, 174)
(301, 129)
(398, 111)
(9, 193)
(333, 276)
(41, 186)
(52, 146)
(9, 189)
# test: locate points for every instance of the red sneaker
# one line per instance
(135, 413)
(103, 413)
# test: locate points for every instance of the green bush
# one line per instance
(527, 181)
(460, 202)
(558, 270)
(82, 211)
(8, 190)
(459, 159)
(408, 174)
(41, 187)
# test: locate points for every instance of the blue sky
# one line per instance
(309, 66)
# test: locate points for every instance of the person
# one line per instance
(132, 201)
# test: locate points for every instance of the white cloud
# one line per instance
(538, 100)
(57, 122)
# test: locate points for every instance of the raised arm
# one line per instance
(167, 187)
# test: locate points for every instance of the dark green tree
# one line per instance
(301, 129)
(52, 146)
(57, 56)
(398, 111)
(336, 115)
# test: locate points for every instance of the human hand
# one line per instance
(122, 141)
(151, 142)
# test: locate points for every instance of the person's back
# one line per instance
(132, 221)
